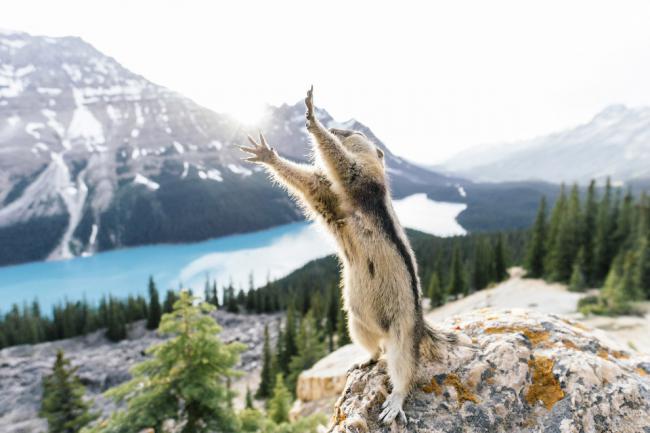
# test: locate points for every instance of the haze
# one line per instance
(430, 80)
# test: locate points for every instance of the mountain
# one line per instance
(95, 157)
(615, 143)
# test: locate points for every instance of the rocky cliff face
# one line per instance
(530, 372)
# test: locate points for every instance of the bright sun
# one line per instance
(248, 114)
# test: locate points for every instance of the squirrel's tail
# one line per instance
(433, 339)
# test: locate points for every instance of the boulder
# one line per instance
(526, 372)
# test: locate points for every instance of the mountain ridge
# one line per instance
(614, 143)
(96, 157)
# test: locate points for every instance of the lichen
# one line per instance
(569, 344)
(545, 386)
(535, 336)
(463, 392)
(432, 387)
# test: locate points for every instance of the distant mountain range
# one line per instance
(615, 144)
(95, 157)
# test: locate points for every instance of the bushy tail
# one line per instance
(433, 340)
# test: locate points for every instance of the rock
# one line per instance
(530, 372)
(318, 387)
(102, 365)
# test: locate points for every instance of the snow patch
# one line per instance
(179, 147)
(84, 127)
(140, 179)
(186, 169)
(215, 144)
(238, 169)
(461, 191)
(32, 127)
(51, 91)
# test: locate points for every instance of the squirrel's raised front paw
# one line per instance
(261, 151)
(309, 102)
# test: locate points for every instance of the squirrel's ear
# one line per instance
(380, 154)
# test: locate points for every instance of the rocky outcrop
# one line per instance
(102, 365)
(529, 372)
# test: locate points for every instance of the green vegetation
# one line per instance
(62, 404)
(593, 242)
(185, 379)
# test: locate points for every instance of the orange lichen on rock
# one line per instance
(602, 353)
(463, 392)
(535, 336)
(432, 387)
(641, 372)
(619, 354)
(569, 344)
(545, 386)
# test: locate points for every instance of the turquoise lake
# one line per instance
(267, 254)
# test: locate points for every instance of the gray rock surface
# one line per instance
(530, 372)
(102, 365)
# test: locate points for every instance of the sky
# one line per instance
(430, 80)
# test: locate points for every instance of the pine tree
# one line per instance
(567, 241)
(249, 399)
(642, 274)
(332, 315)
(435, 292)
(280, 404)
(215, 296)
(589, 233)
(537, 245)
(500, 266)
(343, 336)
(605, 226)
(310, 349)
(155, 310)
(456, 286)
(557, 215)
(480, 277)
(185, 379)
(62, 403)
(116, 326)
(170, 300)
(290, 349)
(267, 374)
(578, 282)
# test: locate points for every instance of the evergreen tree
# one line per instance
(290, 349)
(215, 295)
(578, 282)
(589, 233)
(185, 379)
(310, 350)
(567, 241)
(481, 273)
(557, 215)
(155, 310)
(456, 285)
(249, 399)
(170, 300)
(332, 315)
(500, 266)
(62, 403)
(267, 374)
(435, 292)
(116, 324)
(537, 245)
(280, 404)
(642, 274)
(605, 226)
(343, 336)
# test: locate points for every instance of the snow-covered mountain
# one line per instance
(94, 157)
(615, 143)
